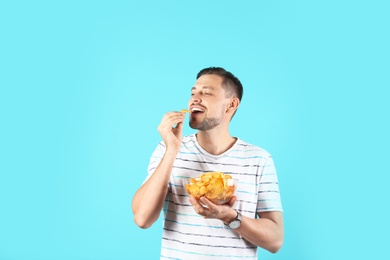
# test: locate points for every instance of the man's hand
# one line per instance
(224, 212)
(171, 129)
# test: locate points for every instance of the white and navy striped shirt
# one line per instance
(186, 234)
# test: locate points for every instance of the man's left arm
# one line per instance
(267, 231)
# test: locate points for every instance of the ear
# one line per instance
(233, 105)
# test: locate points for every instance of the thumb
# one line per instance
(232, 200)
(178, 128)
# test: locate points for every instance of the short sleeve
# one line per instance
(155, 159)
(268, 188)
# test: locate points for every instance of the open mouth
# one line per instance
(197, 110)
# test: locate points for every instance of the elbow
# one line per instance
(139, 218)
(276, 246)
(140, 222)
(144, 220)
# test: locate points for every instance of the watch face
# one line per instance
(235, 224)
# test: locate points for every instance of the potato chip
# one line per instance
(184, 110)
(215, 186)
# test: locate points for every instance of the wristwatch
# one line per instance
(235, 222)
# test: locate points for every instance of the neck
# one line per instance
(215, 142)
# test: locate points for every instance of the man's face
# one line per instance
(208, 103)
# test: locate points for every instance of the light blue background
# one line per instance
(84, 85)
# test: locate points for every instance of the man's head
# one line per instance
(230, 83)
(215, 98)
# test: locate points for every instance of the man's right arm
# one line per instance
(148, 201)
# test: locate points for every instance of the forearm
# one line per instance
(149, 199)
(264, 232)
(261, 232)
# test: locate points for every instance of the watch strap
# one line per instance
(235, 221)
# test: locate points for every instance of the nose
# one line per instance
(196, 98)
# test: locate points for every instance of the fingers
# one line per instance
(170, 134)
(232, 201)
(207, 202)
(198, 207)
(207, 209)
(171, 119)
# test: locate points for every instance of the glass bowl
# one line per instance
(218, 192)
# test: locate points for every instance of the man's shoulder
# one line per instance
(246, 146)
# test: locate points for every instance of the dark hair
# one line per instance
(229, 82)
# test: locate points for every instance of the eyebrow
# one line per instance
(204, 87)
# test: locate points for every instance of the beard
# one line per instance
(206, 124)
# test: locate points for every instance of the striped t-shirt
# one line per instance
(187, 235)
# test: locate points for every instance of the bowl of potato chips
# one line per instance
(215, 186)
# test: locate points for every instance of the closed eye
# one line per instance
(203, 93)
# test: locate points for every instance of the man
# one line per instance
(199, 229)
